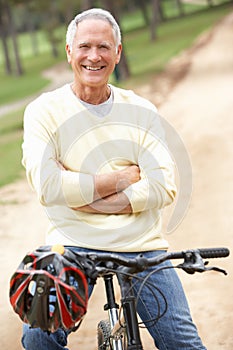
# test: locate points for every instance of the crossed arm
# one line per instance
(118, 192)
(108, 196)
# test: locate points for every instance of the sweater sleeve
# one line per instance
(156, 188)
(53, 184)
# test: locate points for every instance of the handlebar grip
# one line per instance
(208, 253)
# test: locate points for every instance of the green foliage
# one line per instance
(171, 10)
(132, 21)
(147, 58)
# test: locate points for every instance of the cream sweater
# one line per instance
(57, 127)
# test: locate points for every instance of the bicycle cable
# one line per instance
(152, 288)
(147, 283)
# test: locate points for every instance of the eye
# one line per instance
(104, 47)
(83, 46)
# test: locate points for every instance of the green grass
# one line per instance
(11, 122)
(146, 59)
(15, 88)
(10, 147)
(10, 154)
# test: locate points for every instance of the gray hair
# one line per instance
(95, 13)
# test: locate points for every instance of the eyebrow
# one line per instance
(106, 43)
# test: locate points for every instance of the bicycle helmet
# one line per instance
(49, 290)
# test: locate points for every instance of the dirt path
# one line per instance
(199, 108)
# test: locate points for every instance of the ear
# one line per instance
(68, 53)
(119, 50)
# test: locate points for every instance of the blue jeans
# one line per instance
(174, 331)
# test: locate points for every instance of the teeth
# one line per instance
(93, 68)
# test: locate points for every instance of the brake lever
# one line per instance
(214, 268)
(193, 262)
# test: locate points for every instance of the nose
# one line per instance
(93, 55)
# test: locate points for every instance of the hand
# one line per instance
(128, 176)
(132, 173)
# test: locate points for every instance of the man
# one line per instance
(97, 158)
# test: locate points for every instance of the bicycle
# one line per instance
(121, 330)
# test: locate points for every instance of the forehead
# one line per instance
(92, 28)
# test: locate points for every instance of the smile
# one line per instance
(93, 68)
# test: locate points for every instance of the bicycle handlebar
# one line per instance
(192, 259)
(208, 253)
(205, 253)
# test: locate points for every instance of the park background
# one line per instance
(179, 55)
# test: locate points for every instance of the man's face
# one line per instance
(93, 55)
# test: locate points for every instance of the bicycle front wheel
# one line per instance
(103, 335)
(106, 341)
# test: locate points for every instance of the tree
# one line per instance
(180, 8)
(69, 9)
(3, 33)
(142, 5)
(8, 29)
(155, 4)
(122, 69)
(31, 27)
(50, 21)
(87, 4)
(210, 3)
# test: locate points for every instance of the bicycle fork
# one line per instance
(129, 312)
(112, 308)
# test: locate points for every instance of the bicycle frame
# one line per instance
(129, 313)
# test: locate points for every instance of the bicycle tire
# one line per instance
(104, 337)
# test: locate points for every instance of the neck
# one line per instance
(92, 95)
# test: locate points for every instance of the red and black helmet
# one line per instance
(49, 290)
